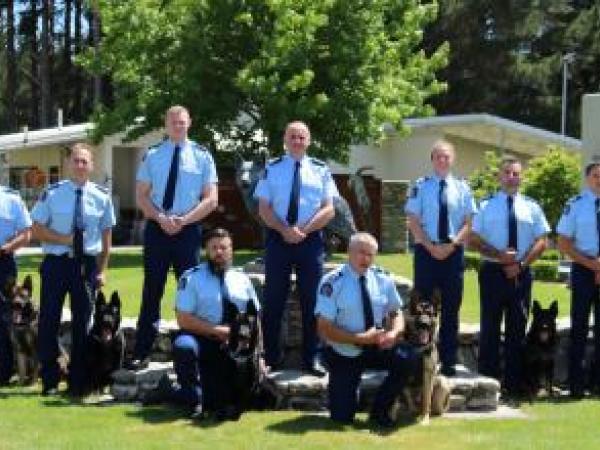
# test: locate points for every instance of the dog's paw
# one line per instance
(424, 420)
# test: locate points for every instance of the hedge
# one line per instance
(543, 269)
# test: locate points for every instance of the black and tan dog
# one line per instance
(106, 343)
(540, 350)
(23, 325)
(424, 394)
(242, 350)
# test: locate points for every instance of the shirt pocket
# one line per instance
(92, 214)
(61, 218)
(585, 224)
(192, 178)
(379, 302)
(312, 189)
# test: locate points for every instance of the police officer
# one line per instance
(73, 219)
(295, 201)
(439, 212)
(578, 237)
(15, 232)
(510, 232)
(352, 304)
(176, 189)
(199, 354)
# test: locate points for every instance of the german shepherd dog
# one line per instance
(106, 343)
(540, 349)
(23, 329)
(242, 354)
(421, 321)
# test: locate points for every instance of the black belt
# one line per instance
(68, 256)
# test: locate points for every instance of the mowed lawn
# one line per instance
(29, 421)
(126, 276)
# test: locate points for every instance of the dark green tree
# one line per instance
(245, 68)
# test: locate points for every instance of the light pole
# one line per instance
(567, 59)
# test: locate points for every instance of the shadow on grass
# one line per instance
(313, 422)
(158, 414)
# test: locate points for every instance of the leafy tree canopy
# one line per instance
(245, 68)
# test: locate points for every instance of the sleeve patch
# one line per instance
(414, 191)
(326, 289)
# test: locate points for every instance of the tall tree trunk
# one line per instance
(11, 68)
(94, 23)
(33, 44)
(45, 64)
(67, 74)
(77, 75)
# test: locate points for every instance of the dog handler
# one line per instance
(509, 231)
(73, 220)
(439, 211)
(579, 237)
(15, 232)
(199, 354)
(352, 304)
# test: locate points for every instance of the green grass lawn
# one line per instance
(29, 421)
(126, 275)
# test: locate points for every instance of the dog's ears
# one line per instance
(100, 299)
(554, 308)
(28, 284)
(115, 300)
(536, 307)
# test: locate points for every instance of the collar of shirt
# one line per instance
(437, 178)
(293, 160)
(74, 186)
(587, 192)
(504, 195)
(353, 273)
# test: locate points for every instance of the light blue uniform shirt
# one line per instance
(339, 300)
(14, 216)
(578, 223)
(56, 207)
(196, 171)
(317, 187)
(199, 293)
(491, 222)
(423, 203)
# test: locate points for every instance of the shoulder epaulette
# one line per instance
(55, 185)
(275, 160)
(317, 162)
(574, 199)
(100, 187)
(9, 190)
(380, 270)
(422, 179)
(200, 147)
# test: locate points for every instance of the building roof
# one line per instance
(496, 131)
(48, 136)
(485, 128)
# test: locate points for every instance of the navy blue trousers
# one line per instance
(345, 374)
(61, 275)
(447, 276)
(162, 251)
(307, 258)
(500, 297)
(8, 269)
(584, 297)
(203, 371)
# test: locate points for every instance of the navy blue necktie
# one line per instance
(443, 215)
(366, 303)
(169, 196)
(292, 213)
(512, 224)
(78, 225)
(598, 222)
